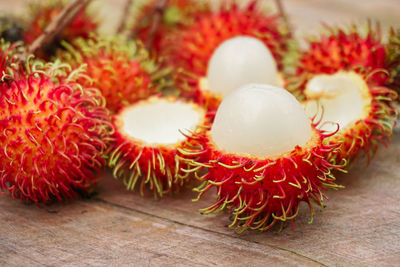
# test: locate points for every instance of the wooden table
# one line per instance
(360, 225)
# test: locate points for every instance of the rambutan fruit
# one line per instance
(42, 12)
(147, 137)
(393, 59)
(53, 135)
(177, 14)
(362, 110)
(122, 70)
(264, 157)
(345, 73)
(202, 51)
(191, 48)
(236, 62)
(341, 50)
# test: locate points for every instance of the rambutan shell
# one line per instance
(122, 70)
(161, 168)
(53, 139)
(261, 192)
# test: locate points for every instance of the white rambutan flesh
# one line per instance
(260, 120)
(240, 61)
(342, 97)
(160, 121)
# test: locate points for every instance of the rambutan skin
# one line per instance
(191, 48)
(364, 54)
(367, 133)
(341, 50)
(160, 168)
(53, 137)
(260, 193)
(122, 70)
(189, 87)
(140, 165)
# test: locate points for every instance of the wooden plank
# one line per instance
(95, 233)
(361, 224)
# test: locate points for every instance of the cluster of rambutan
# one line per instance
(207, 100)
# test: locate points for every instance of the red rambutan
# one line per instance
(122, 70)
(342, 50)
(264, 157)
(147, 137)
(53, 135)
(191, 48)
(345, 74)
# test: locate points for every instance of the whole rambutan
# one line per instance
(147, 137)
(42, 12)
(264, 157)
(344, 73)
(122, 70)
(191, 48)
(53, 135)
(177, 14)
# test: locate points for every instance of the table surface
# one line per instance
(360, 225)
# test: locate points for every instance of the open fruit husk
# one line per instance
(148, 135)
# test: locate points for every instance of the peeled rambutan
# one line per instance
(236, 62)
(42, 12)
(362, 110)
(393, 59)
(191, 47)
(264, 157)
(122, 70)
(246, 39)
(177, 14)
(53, 135)
(344, 73)
(147, 137)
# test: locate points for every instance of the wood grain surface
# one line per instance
(359, 227)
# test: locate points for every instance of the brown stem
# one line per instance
(157, 16)
(62, 20)
(124, 18)
(283, 15)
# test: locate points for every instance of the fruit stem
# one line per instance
(124, 18)
(283, 15)
(62, 20)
